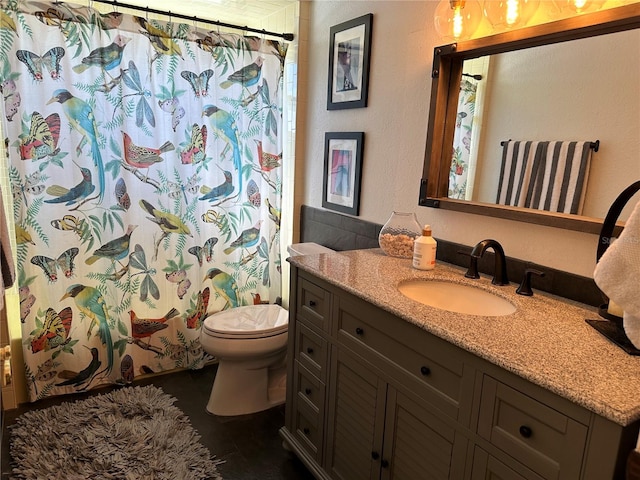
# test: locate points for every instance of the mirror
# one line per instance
(509, 54)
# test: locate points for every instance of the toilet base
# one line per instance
(238, 390)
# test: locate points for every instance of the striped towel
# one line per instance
(548, 176)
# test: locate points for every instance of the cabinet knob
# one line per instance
(310, 350)
(525, 431)
(306, 430)
(384, 464)
(307, 391)
(312, 303)
(425, 371)
(359, 331)
(375, 455)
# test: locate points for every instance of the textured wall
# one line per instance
(395, 124)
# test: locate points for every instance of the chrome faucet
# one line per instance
(500, 272)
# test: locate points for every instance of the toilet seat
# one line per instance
(254, 321)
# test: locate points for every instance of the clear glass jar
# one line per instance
(398, 234)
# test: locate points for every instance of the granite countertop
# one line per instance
(545, 341)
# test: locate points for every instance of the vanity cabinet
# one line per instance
(386, 400)
(372, 396)
(377, 431)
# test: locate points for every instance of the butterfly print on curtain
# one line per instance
(145, 136)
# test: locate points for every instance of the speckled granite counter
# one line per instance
(546, 340)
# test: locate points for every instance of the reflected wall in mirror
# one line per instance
(583, 90)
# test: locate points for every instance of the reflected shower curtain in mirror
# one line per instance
(458, 175)
(145, 163)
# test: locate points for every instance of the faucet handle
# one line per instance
(472, 271)
(525, 285)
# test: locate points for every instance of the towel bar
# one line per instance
(595, 146)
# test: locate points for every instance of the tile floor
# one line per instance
(249, 445)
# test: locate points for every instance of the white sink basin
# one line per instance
(455, 297)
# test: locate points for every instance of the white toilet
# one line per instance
(250, 344)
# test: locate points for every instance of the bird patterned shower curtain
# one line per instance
(145, 163)
(459, 186)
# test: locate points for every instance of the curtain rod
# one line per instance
(115, 3)
(475, 77)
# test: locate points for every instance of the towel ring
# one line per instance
(606, 237)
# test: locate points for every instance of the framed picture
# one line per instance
(349, 55)
(342, 171)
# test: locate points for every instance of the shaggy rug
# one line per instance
(133, 433)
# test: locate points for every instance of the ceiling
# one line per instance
(250, 13)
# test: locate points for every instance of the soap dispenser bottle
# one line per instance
(424, 250)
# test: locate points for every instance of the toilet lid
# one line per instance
(254, 321)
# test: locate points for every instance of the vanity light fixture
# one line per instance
(457, 19)
(507, 14)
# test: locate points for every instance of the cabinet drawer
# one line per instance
(314, 304)
(308, 388)
(430, 375)
(542, 438)
(307, 428)
(311, 351)
(486, 467)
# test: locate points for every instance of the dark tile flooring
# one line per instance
(249, 445)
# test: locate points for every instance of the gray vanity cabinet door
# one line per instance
(418, 445)
(378, 432)
(356, 419)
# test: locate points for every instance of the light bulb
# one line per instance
(513, 13)
(457, 22)
(509, 13)
(581, 6)
(457, 19)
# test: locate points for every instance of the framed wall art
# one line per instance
(342, 171)
(349, 56)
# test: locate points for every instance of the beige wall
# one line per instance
(395, 124)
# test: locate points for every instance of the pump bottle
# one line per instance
(424, 250)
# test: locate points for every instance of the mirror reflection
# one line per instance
(579, 91)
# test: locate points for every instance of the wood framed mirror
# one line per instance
(448, 67)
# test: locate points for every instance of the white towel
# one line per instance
(617, 274)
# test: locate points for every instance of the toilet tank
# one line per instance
(307, 248)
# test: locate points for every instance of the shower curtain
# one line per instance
(458, 175)
(145, 160)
